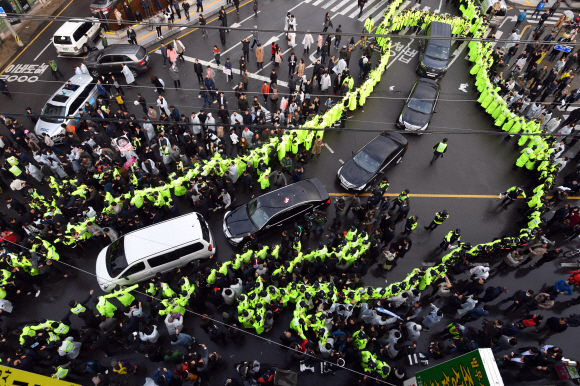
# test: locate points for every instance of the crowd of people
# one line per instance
(127, 173)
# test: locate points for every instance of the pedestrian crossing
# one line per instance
(350, 9)
(551, 20)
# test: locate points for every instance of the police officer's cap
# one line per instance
(245, 313)
(302, 303)
(183, 293)
(457, 231)
(242, 298)
(182, 281)
(394, 288)
(369, 290)
(263, 294)
(282, 292)
(444, 213)
(272, 289)
(307, 295)
(259, 305)
(383, 291)
(320, 245)
(252, 296)
(258, 318)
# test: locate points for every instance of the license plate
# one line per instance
(431, 74)
(65, 49)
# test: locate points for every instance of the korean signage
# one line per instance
(10, 376)
(477, 368)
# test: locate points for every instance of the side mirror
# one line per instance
(353, 152)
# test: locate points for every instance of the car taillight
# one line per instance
(106, 9)
(209, 248)
(76, 49)
(327, 201)
(141, 62)
(406, 147)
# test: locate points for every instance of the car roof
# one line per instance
(299, 192)
(166, 235)
(63, 96)
(440, 29)
(71, 26)
(426, 89)
(382, 145)
(121, 49)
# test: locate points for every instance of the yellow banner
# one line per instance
(10, 376)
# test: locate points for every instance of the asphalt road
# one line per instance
(473, 165)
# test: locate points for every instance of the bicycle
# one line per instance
(572, 253)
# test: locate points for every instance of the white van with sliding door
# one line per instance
(141, 254)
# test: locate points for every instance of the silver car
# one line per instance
(66, 103)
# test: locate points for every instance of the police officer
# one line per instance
(450, 238)
(511, 195)
(438, 220)
(439, 148)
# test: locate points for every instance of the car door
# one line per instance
(104, 65)
(116, 65)
(135, 273)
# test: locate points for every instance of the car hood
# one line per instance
(354, 174)
(415, 118)
(92, 57)
(434, 63)
(238, 222)
(51, 129)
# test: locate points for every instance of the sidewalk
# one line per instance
(148, 38)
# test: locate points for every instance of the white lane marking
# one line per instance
(439, 8)
(339, 5)
(298, 5)
(329, 149)
(401, 53)
(231, 48)
(458, 52)
(328, 4)
(44, 49)
(345, 11)
(317, 2)
(236, 25)
(341, 161)
(234, 70)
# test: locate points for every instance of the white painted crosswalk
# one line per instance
(536, 19)
(349, 8)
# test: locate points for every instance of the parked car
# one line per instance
(372, 160)
(434, 53)
(107, 6)
(65, 103)
(275, 210)
(420, 105)
(141, 254)
(70, 40)
(111, 59)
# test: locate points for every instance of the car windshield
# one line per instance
(50, 113)
(421, 105)
(257, 214)
(141, 53)
(116, 259)
(365, 161)
(437, 52)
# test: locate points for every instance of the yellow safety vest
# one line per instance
(441, 147)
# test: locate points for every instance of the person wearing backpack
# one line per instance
(319, 220)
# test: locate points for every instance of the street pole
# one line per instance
(10, 28)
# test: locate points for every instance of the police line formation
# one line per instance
(252, 306)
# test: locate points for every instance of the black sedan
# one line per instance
(371, 161)
(274, 210)
(420, 105)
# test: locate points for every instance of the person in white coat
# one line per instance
(195, 125)
(162, 104)
(229, 296)
(479, 272)
(553, 124)
(35, 173)
(237, 287)
(149, 334)
(210, 123)
(307, 41)
(173, 323)
(233, 172)
(129, 78)
(292, 36)
(325, 82)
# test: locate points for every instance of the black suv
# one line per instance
(111, 59)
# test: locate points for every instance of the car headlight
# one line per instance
(361, 187)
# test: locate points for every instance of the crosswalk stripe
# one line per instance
(497, 36)
(366, 7)
(317, 2)
(328, 4)
(339, 5)
(378, 6)
(345, 11)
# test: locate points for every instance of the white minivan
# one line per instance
(70, 38)
(141, 254)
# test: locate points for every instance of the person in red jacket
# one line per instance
(575, 278)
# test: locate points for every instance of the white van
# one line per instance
(70, 38)
(141, 254)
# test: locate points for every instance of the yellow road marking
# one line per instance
(194, 29)
(525, 28)
(37, 36)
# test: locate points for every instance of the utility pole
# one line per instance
(10, 28)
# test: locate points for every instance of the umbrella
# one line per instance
(569, 14)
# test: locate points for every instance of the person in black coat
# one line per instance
(492, 293)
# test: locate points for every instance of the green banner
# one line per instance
(476, 368)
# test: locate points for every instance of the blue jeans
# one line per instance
(336, 43)
(57, 150)
(316, 227)
(205, 100)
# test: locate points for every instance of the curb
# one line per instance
(569, 4)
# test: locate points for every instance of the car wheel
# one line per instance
(95, 73)
(135, 73)
(85, 49)
(399, 160)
